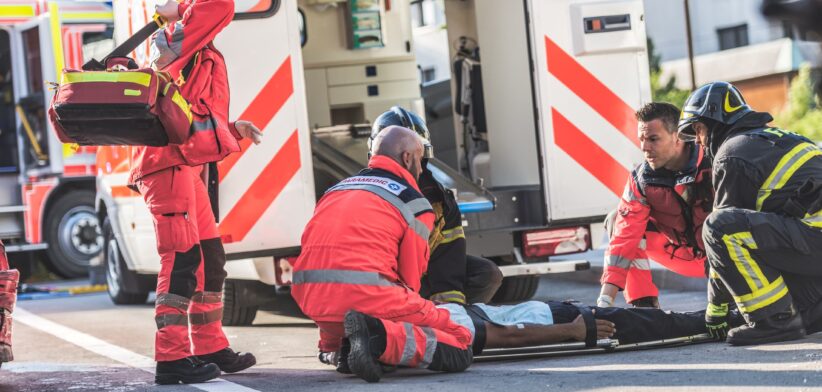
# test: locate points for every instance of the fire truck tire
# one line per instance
(72, 231)
(516, 289)
(117, 272)
(236, 308)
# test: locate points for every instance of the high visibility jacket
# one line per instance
(674, 203)
(189, 43)
(366, 247)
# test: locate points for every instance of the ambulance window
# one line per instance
(31, 51)
(8, 140)
(98, 44)
(250, 9)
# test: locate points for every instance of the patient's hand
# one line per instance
(605, 329)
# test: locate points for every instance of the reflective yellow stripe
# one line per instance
(132, 93)
(452, 235)
(717, 310)
(759, 299)
(813, 220)
(775, 131)
(56, 37)
(140, 78)
(738, 245)
(453, 296)
(178, 99)
(787, 166)
(16, 11)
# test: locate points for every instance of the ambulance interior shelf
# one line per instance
(347, 154)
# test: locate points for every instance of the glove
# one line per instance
(248, 130)
(716, 321)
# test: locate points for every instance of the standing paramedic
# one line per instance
(660, 214)
(363, 254)
(170, 178)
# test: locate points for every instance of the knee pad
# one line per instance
(183, 280)
(214, 267)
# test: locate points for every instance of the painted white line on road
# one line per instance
(111, 351)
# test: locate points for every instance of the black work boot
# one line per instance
(646, 302)
(230, 361)
(342, 361)
(783, 326)
(368, 339)
(186, 371)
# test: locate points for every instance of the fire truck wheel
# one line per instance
(72, 231)
(516, 289)
(117, 272)
(236, 310)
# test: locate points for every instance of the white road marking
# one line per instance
(111, 351)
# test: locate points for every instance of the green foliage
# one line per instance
(802, 114)
(663, 91)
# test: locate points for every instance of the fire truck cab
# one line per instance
(47, 188)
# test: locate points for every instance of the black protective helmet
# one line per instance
(403, 118)
(717, 101)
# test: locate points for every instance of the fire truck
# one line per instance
(543, 127)
(47, 188)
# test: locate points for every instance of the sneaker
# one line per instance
(186, 370)
(367, 337)
(780, 327)
(230, 361)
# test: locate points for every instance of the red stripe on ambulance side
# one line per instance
(587, 87)
(263, 191)
(588, 154)
(262, 109)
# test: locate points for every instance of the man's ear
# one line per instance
(407, 157)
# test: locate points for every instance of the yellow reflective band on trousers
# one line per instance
(717, 310)
(738, 245)
(140, 78)
(763, 297)
(784, 170)
(813, 220)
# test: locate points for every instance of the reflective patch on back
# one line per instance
(389, 185)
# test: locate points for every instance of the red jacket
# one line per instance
(676, 204)
(359, 251)
(206, 88)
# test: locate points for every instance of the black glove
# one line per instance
(716, 321)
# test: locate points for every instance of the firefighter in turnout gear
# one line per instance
(452, 276)
(764, 237)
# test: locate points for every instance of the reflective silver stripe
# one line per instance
(619, 261)
(207, 297)
(453, 234)
(206, 125)
(340, 276)
(410, 346)
(430, 347)
(769, 294)
(641, 264)
(408, 210)
(735, 247)
(172, 300)
(177, 38)
(165, 320)
(207, 317)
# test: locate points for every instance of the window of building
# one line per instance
(418, 13)
(429, 75)
(733, 37)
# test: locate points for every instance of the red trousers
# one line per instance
(8, 297)
(189, 307)
(637, 280)
(411, 338)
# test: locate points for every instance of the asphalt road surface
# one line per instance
(85, 343)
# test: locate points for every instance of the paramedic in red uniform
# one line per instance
(363, 254)
(170, 178)
(660, 214)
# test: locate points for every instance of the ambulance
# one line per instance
(47, 188)
(544, 129)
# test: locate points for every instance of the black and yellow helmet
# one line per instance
(403, 118)
(717, 101)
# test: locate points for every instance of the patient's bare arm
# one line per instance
(525, 335)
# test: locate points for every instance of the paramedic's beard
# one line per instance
(415, 171)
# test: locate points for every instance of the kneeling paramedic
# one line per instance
(188, 310)
(363, 254)
(452, 275)
(764, 237)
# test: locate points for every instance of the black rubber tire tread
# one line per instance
(234, 314)
(121, 297)
(56, 261)
(516, 289)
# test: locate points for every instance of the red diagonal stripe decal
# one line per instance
(586, 86)
(588, 154)
(263, 191)
(262, 109)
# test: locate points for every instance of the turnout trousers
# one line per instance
(189, 306)
(766, 261)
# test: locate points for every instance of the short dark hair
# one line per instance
(663, 111)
